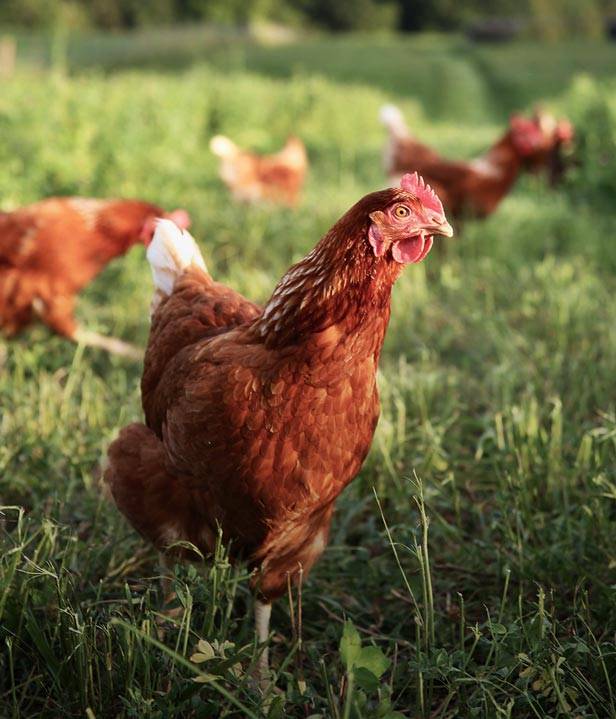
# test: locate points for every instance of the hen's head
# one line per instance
(404, 229)
(556, 132)
(180, 217)
(537, 153)
(527, 135)
(352, 269)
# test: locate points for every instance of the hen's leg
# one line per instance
(113, 345)
(263, 613)
(57, 313)
(166, 582)
(169, 612)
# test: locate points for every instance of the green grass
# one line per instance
(476, 550)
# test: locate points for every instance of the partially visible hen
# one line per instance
(256, 420)
(51, 250)
(467, 188)
(257, 178)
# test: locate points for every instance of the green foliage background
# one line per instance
(550, 19)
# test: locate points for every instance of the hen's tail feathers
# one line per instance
(134, 475)
(171, 251)
(222, 146)
(156, 501)
(393, 119)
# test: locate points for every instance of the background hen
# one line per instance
(51, 250)
(476, 187)
(256, 178)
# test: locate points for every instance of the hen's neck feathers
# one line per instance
(340, 282)
(503, 157)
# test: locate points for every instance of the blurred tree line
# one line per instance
(549, 19)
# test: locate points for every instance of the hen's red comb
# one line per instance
(416, 186)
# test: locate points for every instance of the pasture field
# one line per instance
(475, 555)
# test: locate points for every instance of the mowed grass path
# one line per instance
(476, 550)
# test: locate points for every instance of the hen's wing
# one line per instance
(180, 477)
(192, 306)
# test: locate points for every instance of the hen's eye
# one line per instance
(402, 211)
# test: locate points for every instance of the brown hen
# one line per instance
(262, 178)
(51, 250)
(256, 420)
(469, 188)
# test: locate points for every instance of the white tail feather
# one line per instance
(222, 146)
(171, 251)
(393, 119)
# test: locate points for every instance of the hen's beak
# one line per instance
(439, 226)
